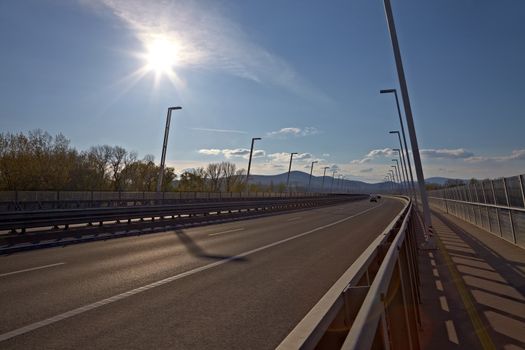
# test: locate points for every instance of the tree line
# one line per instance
(39, 161)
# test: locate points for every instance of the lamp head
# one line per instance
(387, 91)
(174, 108)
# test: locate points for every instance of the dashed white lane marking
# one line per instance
(227, 231)
(295, 218)
(439, 285)
(435, 272)
(31, 269)
(444, 303)
(85, 308)
(432, 262)
(451, 332)
(430, 255)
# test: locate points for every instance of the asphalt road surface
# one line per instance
(238, 285)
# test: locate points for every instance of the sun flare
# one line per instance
(161, 56)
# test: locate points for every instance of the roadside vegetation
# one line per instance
(38, 161)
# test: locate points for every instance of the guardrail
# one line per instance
(497, 206)
(503, 221)
(375, 304)
(39, 200)
(55, 224)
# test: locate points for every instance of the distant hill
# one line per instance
(440, 180)
(299, 182)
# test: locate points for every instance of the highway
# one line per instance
(238, 285)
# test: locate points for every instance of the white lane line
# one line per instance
(439, 285)
(451, 331)
(435, 272)
(444, 303)
(430, 255)
(295, 218)
(88, 307)
(432, 262)
(31, 269)
(227, 231)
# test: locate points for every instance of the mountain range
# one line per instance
(300, 181)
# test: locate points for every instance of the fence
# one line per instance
(38, 200)
(375, 304)
(497, 206)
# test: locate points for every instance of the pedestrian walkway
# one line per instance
(473, 289)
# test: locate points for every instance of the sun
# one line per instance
(161, 56)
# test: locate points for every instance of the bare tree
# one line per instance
(214, 172)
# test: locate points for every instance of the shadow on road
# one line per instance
(195, 250)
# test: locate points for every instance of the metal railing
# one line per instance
(375, 304)
(497, 206)
(33, 226)
(38, 200)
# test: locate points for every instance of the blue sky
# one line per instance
(303, 75)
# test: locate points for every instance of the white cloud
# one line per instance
(514, 156)
(210, 152)
(366, 170)
(303, 156)
(294, 131)
(445, 153)
(232, 153)
(373, 154)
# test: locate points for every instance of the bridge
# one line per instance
(281, 271)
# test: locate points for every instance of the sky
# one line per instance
(303, 75)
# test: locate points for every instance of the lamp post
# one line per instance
(396, 178)
(311, 171)
(400, 164)
(165, 146)
(410, 121)
(333, 178)
(405, 161)
(289, 169)
(250, 162)
(399, 175)
(324, 175)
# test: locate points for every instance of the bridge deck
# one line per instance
(473, 289)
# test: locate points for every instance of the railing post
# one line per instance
(486, 208)
(495, 203)
(510, 211)
(522, 187)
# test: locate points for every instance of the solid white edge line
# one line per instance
(95, 305)
(31, 269)
(227, 231)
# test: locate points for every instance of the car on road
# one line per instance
(373, 199)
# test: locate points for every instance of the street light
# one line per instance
(333, 178)
(324, 175)
(311, 171)
(289, 169)
(405, 179)
(410, 121)
(250, 162)
(164, 146)
(396, 178)
(405, 160)
(399, 175)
